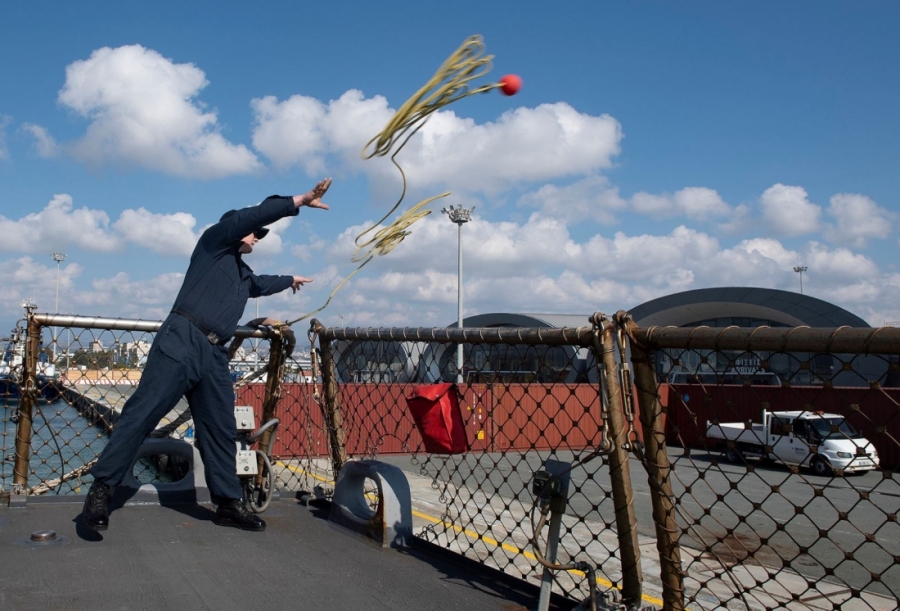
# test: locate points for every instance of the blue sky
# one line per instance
(655, 147)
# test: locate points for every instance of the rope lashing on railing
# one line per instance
(598, 321)
(449, 84)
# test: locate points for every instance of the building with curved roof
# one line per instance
(711, 307)
(724, 307)
(743, 307)
(365, 361)
(754, 307)
(553, 321)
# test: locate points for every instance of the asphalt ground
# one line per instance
(174, 557)
(794, 522)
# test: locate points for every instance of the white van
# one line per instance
(824, 442)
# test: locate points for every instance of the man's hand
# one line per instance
(313, 198)
(290, 339)
(299, 281)
(264, 322)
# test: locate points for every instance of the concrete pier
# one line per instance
(102, 405)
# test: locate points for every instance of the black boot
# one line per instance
(232, 512)
(96, 510)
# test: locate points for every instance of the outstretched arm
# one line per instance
(263, 285)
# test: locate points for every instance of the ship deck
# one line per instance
(174, 557)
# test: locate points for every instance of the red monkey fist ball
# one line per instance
(510, 84)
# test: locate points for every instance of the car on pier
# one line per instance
(826, 443)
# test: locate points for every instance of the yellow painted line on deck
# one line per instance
(476, 536)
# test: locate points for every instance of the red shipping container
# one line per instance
(435, 409)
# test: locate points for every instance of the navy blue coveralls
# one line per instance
(189, 358)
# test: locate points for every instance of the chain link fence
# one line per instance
(65, 380)
(526, 396)
(781, 450)
(701, 468)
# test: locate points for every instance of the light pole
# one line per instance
(69, 347)
(342, 320)
(459, 216)
(256, 342)
(59, 257)
(800, 269)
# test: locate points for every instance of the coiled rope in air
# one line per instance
(448, 85)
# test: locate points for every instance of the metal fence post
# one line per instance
(274, 388)
(334, 417)
(27, 398)
(619, 475)
(658, 469)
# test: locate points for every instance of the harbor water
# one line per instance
(62, 441)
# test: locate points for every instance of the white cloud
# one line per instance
(44, 143)
(651, 205)
(647, 257)
(57, 227)
(60, 226)
(858, 219)
(700, 203)
(537, 265)
(696, 203)
(592, 198)
(838, 266)
(523, 145)
(276, 135)
(142, 112)
(738, 222)
(302, 130)
(518, 264)
(768, 248)
(119, 296)
(534, 265)
(582, 293)
(25, 277)
(166, 234)
(427, 286)
(306, 252)
(502, 247)
(788, 211)
(760, 262)
(876, 300)
(149, 298)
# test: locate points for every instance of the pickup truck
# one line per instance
(826, 443)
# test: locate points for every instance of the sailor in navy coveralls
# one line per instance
(189, 358)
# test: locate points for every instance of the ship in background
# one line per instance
(11, 370)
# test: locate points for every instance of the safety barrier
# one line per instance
(654, 513)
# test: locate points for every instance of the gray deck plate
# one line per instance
(174, 557)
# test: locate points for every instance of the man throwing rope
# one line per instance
(189, 358)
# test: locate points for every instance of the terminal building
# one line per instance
(754, 307)
(712, 307)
